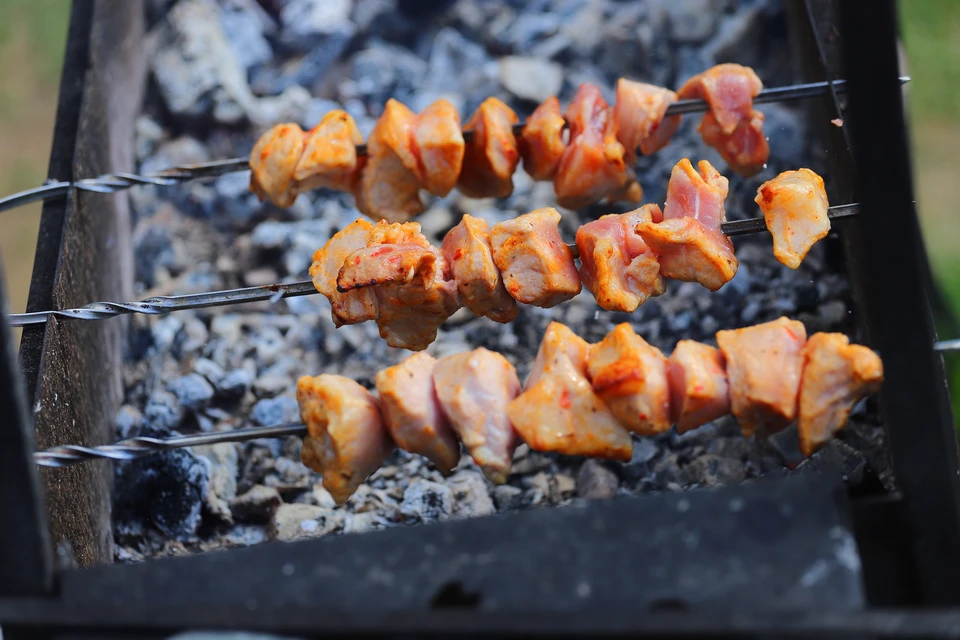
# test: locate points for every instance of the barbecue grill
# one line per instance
(787, 557)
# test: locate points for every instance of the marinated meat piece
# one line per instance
(411, 410)
(689, 241)
(346, 440)
(492, 155)
(439, 147)
(389, 188)
(794, 205)
(558, 409)
(639, 117)
(536, 266)
(329, 157)
(746, 149)
(351, 307)
(272, 162)
(630, 376)
(836, 376)
(592, 166)
(541, 144)
(474, 389)
(467, 250)
(616, 265)
(729, 89)
(698, 385)
(410, 309)
(764, 363)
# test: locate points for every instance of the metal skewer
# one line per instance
(160, 305)
(113, 182)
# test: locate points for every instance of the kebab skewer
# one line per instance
(582, 399)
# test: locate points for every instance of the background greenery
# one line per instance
(32, 34)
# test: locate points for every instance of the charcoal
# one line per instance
(163, 412)
(425, 501)
(596, 482)
(256, 505)
(192, 390)
(128, 421)
(297, 521)
(271, 411)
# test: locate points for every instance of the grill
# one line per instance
(789, 556)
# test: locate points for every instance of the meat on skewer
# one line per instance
(468, 251)
(583, 399)
(329, 158)
(438, 147)
(639, 118)
(541, 143)
(347, 307)
(272, 162)
(346, 440)
(492, 155)
(794, 205)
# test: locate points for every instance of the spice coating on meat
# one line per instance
(272, 162)
(630, 376)
(559, 410)
(329, 157)
(746, 150)
(492, 155)
(387, 264)
(639, 118)
(616, 265)
(389, 188)
(536, 265)
(467, 250)
(439, 147)
(836, 376)
(541, 143)
(689, 241)
(764, 364)
(352, 307)
(794, 206)
(346, 440)
(412, 413)
(592, 166)
(698, 385)
(474, 389)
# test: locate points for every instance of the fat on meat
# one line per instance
(272, 162)
(699, 392)
(474, 389)
(439, 147)
(329, 157)
(541, 143)
(630, 376)
(639, 117)
(689, 241)
(492, 155)
(350, 307)
(536, 265)
(467, 250)
(836, 376)
(412, 412)
(616, 265)
(559, 410)
(795, 208)
(346, 439)
(764, 364)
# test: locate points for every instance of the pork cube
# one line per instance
(474, 389)
(592, 166)
(729, 89)
(698, 385)
(329, 157)
(559, 410)
(389, 188)
(542, 144)
(746, 149)
(795, 208)
(351, 307)
(639, 118)
(272, 162)
(492, 155)
(412, 413)
(630, 376)
(836, 376)
(688, 240)
(439, 147)
(467, 250)
(346, 440)
(764, 363)
(616, 265)
(536, 265)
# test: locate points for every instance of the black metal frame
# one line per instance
(589, 569)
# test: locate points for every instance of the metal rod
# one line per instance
(140, 447)
(113, 182)
(166, 304)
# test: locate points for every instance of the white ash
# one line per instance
(225, 70)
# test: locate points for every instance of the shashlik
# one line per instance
(390, 273)
(582, 399)
(407, 152)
